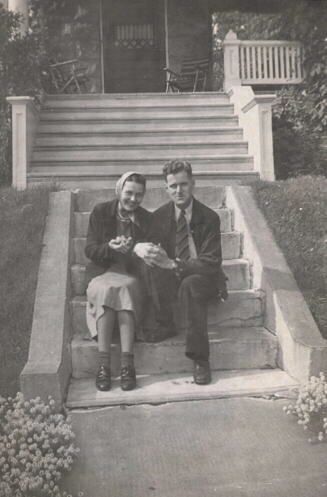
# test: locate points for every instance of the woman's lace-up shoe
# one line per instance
(127, 378)
(103, 378)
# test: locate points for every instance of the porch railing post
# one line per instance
(231, 60)
(254, 113)
(24, 123)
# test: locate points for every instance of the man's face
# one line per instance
(131, 196)
(180, 189)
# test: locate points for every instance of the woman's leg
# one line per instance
(127, 333)
(105, 326)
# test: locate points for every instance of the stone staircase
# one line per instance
(88, 141)
(239, 342)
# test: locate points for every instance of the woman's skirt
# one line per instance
(114, 289)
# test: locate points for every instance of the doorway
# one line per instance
(134, 45)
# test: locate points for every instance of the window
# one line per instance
(133, 35)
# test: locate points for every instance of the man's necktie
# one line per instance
(182, 246)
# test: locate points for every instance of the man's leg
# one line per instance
(161, 291)
(193, 295)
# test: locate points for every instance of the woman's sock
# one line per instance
(127, 359)
(104, 359)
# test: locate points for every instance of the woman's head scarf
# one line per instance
(122, 180)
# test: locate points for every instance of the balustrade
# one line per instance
(262, 62)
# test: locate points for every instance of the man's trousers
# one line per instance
(178, 304)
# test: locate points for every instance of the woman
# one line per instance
(114, 228)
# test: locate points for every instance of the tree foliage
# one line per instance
(23, 64)
(300, 113)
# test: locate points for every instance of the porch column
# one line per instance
(231, 61)
(25, 118)
(20, 7)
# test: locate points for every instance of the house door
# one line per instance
(134, 45)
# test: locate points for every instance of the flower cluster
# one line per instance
(311, 407)
(36, 447)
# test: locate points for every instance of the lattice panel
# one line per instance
(133, 35)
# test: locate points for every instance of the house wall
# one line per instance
(189, 30)
(75, 33)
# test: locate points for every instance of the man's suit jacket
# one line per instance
(205, 229)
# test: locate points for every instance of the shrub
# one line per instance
(311, 407)
(36, 447)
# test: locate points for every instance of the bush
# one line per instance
(311, 407)
(36, 447)
(296, 211)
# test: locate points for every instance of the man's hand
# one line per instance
(147, 252)
(154, 255)
(162, 260)
(223, 295)
(121, 244)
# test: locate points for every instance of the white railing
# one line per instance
(271, 62)
(262, 62)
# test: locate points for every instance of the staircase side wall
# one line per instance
(48, 368)
(302, 350)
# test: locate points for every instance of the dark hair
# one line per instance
(177, 166)
(137, 178)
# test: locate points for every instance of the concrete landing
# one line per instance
(156, 389)
(219, 448)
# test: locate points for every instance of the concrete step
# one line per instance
(134, 99)
(81, 219)
(237, 271)
(159, 112)
(88, 180)
(206, 154)
(130, 125)
(242, 309)
(230, 348)
(180, 388)
(94, 141)
(76, 164)
(231, 247)
(173, 136)
(212, 196)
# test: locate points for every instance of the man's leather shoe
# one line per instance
(202, 373)
(103, 379)
(127, 378)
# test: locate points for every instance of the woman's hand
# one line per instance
(121, 244)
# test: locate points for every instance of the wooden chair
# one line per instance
(68, 76)
(192, 77)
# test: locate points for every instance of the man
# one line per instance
(183, 265)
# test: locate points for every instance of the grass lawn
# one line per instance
(296, 211)
(22, 220)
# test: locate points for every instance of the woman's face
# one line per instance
(131, 196)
